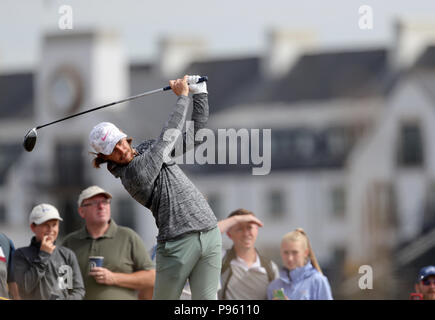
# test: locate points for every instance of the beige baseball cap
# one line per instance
(42, 213)
(104, 137)
(90, 192)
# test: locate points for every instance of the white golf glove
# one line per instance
(195, 87)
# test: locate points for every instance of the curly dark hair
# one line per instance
(102, 158)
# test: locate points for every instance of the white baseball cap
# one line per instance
(42, 213)
(104, 136)
(90, 192)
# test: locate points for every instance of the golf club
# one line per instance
(31, 136)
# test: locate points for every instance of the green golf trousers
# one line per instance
(196, 257)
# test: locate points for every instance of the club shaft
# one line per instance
(103, 106)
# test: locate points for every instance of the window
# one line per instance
(276, 205)
(337, 141)
(8, 155)
(429, 212)
(338, 202)
(410, 149)
(126, 213)
(336, 273)
(282, 148)
(68, 211)
(382, 206)
(69, 164)
(214, 201)
(339, 255)
(2, 213)
(305, 144)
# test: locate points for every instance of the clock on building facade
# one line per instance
(65, 92)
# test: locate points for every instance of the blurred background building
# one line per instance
(353, 159)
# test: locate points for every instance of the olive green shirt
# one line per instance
(123, 251)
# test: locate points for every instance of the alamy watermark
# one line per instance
(66, 19)
(254, 148)
(366, 280)
(365, 21)
(65, 281)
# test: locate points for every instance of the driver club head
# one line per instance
(30, 140)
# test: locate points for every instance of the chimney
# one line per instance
(111, 68)
(411, 38)
(284, 47)
(176, 53)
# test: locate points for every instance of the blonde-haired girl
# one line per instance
(301, 277)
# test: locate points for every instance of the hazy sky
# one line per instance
(235, 27)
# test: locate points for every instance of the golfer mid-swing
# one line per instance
(188, 241)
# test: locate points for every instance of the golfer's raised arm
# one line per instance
(173, 127)
(200, 113)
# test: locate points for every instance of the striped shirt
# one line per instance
(248, 282)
